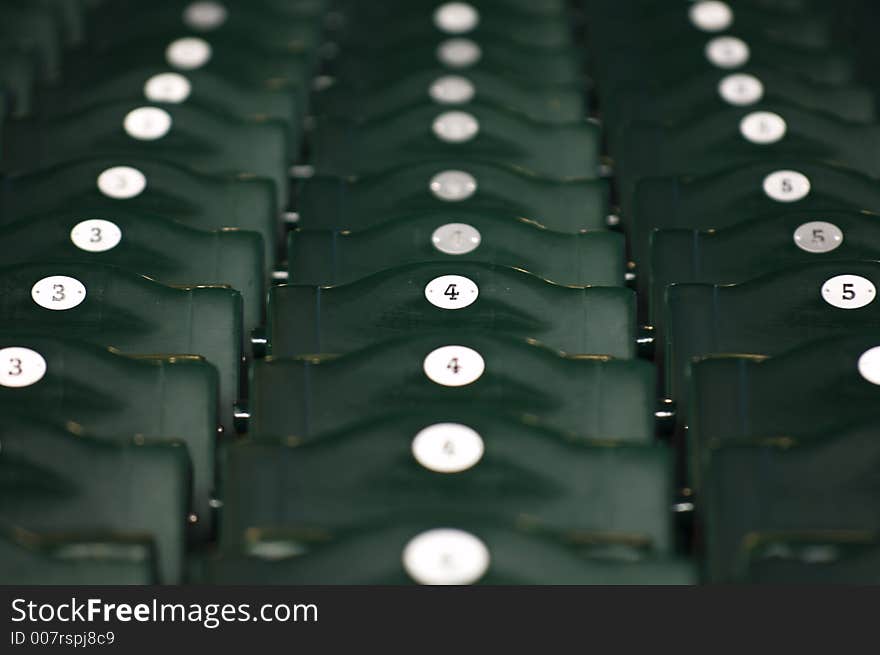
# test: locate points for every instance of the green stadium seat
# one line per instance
(652, 25)
(758, 246)
(98, 392)
(767, 315)
(107, 306)
(153, 246)
(462, 296)
(561, 103)
(230, 57)
(392, 10)
(446, 548)
(55, 480)
(36, 30)
(813, 558)
(206, 90)
(249, 25)
(769, 486)
(283, 8)
(326, 257)
(200, 140)
(149, 186)
(423, 133)
(18, 76)
(27, 558)
(423, 462)
(738, 397)
(715, 90)
(736, 136)
(541, 33)
(741, 194)
(595, 397)
(332, 202)
(689, 54)
(70, 15)
(441, 54)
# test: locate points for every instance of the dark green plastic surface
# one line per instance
(754, 248)
(765, 316)
(357, 475)
(42, 559)
(153, 246)
(495, 299)
(60, 481)
(199, 140)
(325, 257)
(595, 397)
(340, 147)
(200, 201)
(771, 486)
(335, 202)
(110, 396)
(371, 554)
(134, 315)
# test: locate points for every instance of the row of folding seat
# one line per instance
(451, 393)
(745, 175)
(145, 154)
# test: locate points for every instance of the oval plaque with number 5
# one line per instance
(849, 291)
